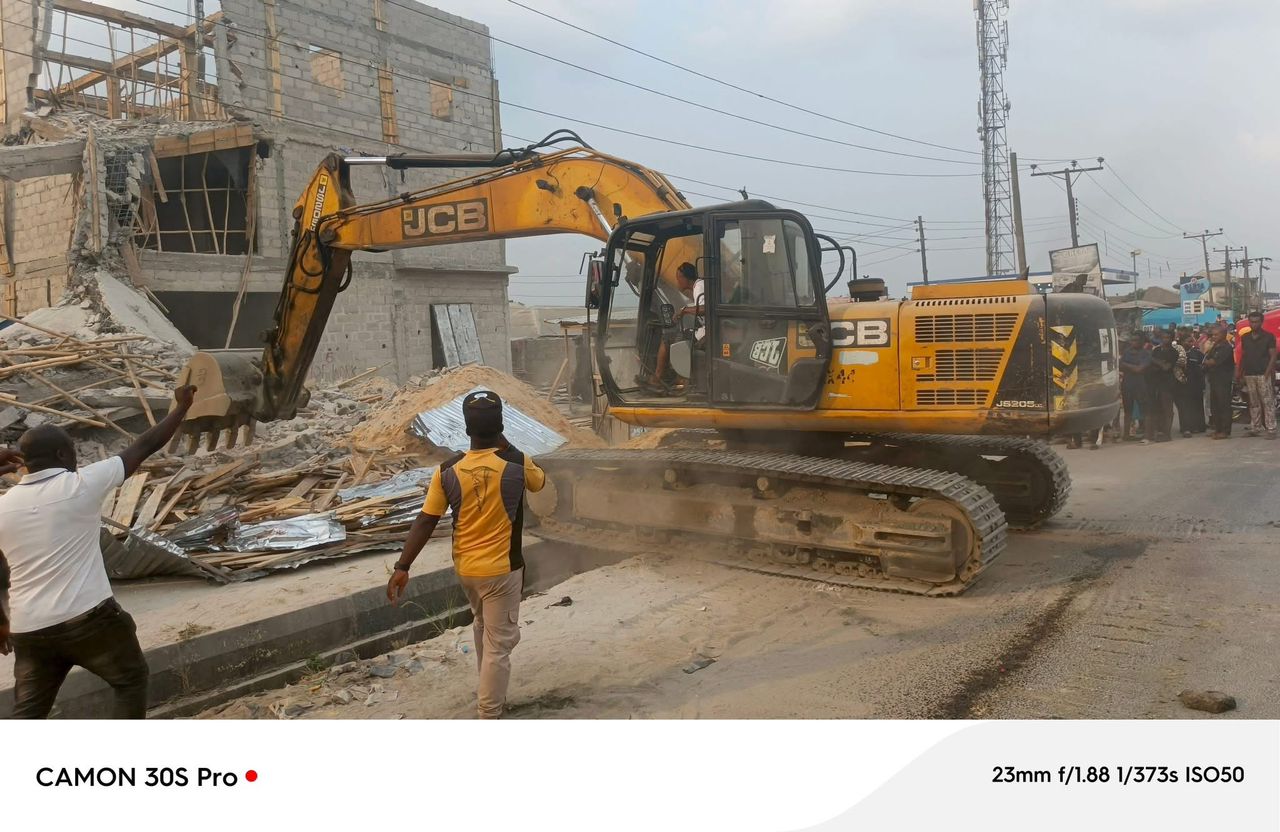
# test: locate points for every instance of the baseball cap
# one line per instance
(482, 413)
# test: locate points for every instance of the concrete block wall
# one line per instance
(17, 69)
(384, 317)
(41, 212)
(419, 46)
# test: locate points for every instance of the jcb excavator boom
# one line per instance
(521, 193)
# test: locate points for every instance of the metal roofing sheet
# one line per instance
(444, 427)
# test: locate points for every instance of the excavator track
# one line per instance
(1029, 479)
(858, 524)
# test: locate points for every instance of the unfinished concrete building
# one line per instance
(168, 157)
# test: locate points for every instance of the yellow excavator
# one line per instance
(864, 441)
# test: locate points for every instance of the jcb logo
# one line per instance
(442, 220)
(317, 207)
(769, 352)
(873, 332)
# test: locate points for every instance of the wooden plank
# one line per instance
(387, 102)
(147, 514)
(36, 376)
(49, 332)
(156, 181)
(95, 65)
(133, 379)
(131, 265)
(109, 503)
(358, 377)
(126, 64)
(127, 501)
(83, 387)
(121, 17)
(304, 487)
(7, 399)
(163, 513)
(360, 470)
(270, 509)
(222, 471)
(18, 369)
(323, 503)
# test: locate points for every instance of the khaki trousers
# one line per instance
(1262, 403)
(495, 605)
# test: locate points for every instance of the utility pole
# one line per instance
(1262, 266)
(1231, 289)
(1068, 175)
(924, 263)
(993, 117)
(1134, 254)
(1024, 271)
(1204, 246)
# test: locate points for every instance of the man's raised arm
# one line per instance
(160, 434)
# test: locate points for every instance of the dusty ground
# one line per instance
(1161, 575)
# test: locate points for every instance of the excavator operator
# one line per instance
(694, 290)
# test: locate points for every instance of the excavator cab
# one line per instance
(722, 306)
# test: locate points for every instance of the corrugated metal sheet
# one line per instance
(406, 481)
(294, 533)
(146, 555)
(444, 427)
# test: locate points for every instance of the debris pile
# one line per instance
(48, 377)
(391, 426)
(348, 475)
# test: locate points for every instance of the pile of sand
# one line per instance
(387, 425)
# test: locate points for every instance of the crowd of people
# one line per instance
(1195, 373)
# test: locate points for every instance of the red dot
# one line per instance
(251, 775)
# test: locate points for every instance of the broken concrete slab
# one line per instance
(31, 161)
(134, 311)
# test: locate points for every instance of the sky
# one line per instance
(1176, 95)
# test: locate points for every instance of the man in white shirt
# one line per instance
(694, 290)
(60, 611)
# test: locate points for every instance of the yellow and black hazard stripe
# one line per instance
(1062, 359)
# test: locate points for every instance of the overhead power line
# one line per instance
(829, 168)
(1112, 170)
(1130, 211)
(754, 93)
(636, 133)
(453, 139)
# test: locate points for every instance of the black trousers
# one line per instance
(103, 641)
(1160, 424)
(1190, 400)
(1220, 403)
(1136, 396)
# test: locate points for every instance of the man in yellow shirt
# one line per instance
(484, 488)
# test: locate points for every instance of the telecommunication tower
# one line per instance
(993, 115)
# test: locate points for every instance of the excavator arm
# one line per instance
(520, 193)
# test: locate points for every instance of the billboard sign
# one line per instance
(1077, 269)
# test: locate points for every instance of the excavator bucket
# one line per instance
(226, 384)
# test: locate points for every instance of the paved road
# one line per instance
(1161, 575)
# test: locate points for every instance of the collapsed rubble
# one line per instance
(346, 476)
